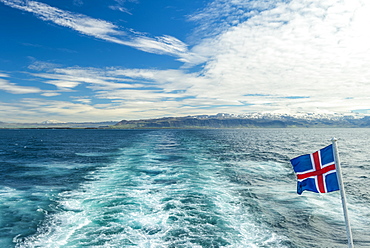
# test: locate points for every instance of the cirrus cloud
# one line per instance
(105, 30)
(5, 85)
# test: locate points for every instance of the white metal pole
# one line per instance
(342, 192)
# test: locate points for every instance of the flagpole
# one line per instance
(342, 192)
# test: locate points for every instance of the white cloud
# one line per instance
(49, 94)
(135, 93)
(83, 100)
(130, 86)
(221, 15)
(3, 75)
(161, 45)
(84, 24)
(41, 65)
(62, 84)
(38, 110)
(94, 78)
(5, 85)
(103, 29)
(120, 6)
(314, 49)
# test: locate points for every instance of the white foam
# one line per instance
(95, 154)
(56, 230)
(124, 204)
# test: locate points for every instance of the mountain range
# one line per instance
(222, 120)
(255, 120)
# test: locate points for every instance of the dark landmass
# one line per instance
(218, 121)
(67, 125)
(259, 121)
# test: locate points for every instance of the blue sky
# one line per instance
(79, 60)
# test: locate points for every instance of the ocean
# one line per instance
(176, 188)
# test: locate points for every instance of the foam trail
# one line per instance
(158, 193)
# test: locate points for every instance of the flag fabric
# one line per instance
(316, 172)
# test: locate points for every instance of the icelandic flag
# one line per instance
(316, 172)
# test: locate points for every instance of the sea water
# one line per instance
(176, 188)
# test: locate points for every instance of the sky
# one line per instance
(112, 60)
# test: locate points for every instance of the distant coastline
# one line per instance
(219, 121)
(61, 125)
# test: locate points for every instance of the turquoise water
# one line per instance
(176, 188)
